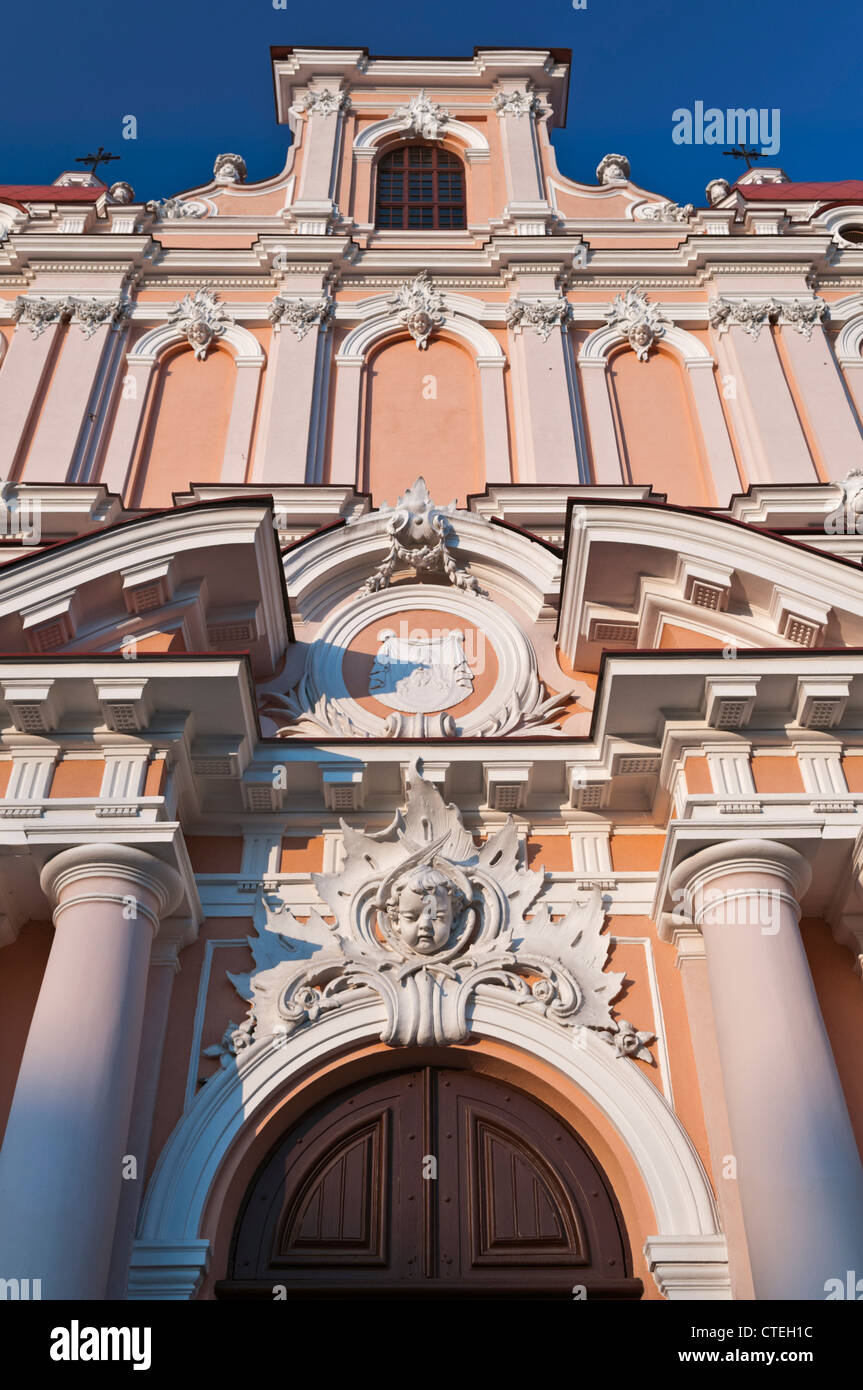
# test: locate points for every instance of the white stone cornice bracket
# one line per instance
(752, 314)
(300, 315)
(542, 315)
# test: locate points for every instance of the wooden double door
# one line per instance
(430, 1182)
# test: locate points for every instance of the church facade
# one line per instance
(431, 767)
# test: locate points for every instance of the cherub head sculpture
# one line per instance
(423, 906)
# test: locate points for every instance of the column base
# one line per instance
(690, 1267)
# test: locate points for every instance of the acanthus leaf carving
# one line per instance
(420, 307)
(542, 315)
(518, 104)
(639, 321)
(323, 103)
(300, 315)
(201, 318)
(426, 920)
(663, 212)
(422, 118)
(752, 314)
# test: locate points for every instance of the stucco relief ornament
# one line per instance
(516, 103)
(542, 315)
(92, 313)
(176, 209)
(420, 674)
(663, 212)
(716, 190)
(229, 168)
(202, 318)
(427, 921)
(323, 103)
(422, 118)
(420, 307)
(39, 313)
(640, 322)
(421, 534)
(613, 168)
(300, 315)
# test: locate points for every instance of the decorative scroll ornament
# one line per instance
(628, 1042)
(422, 118)
(323, 103)
(175, 209)
(229, 168)
(640, 322)
(428, 922)
(300, 315)
(613, 168)
(420, 307)
(420, 675)
(663, 212)
(421, 534)
(516, 104)
(542, 315)
(752, 314)
(201, 318)
(39, 313)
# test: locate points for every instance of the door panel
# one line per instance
(432, 1182)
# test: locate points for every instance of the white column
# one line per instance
(798, 1167)
(831, 415)
(714, 431)
(547, 444)
(128, 418)
(498, 463)
(60, 1165)
(65, 409)
(281, 455)
(344, 453)
(164, 965)
(599, 417)
(20, 382)
(242, 422)
(763, 405)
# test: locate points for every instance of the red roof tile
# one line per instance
(847, 191)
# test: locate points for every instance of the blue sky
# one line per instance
(196, 76)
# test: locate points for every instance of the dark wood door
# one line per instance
(431, 1182)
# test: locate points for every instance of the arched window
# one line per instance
(420, 187)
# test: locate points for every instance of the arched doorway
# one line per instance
(429, 1182)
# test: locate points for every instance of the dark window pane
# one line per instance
(420, 186)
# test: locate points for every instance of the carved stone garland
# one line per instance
(542, 315)
(752, 314)
(427, 922)
(420, 534)
(300, 315)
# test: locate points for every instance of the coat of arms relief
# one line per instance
(426, 920)
(420, 678)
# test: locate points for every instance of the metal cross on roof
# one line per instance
(743, 153)
(94, 160)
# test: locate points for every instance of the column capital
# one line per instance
(134, 868)
(744, 860)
